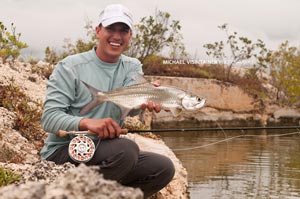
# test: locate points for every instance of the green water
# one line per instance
(261, 166)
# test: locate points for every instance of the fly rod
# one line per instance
(215, 129)
(125, 131)
(82, 148)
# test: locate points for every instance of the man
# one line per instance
(105, 68)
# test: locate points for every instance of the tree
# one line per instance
(10, 44)
(285, 73)
(153, 34)
(241, 49)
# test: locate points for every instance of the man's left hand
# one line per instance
(151, 107)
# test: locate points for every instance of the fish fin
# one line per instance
(140, 79)
(96, 99)
(87, 108)
(176, 111)
(93, 90)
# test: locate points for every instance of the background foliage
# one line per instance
(285, 73)
(10, 44)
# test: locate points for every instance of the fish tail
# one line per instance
(98, 97)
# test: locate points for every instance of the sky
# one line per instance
(45, 23)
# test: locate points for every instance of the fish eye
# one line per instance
(198, 99)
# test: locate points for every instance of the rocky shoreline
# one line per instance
(42, 179)
(47, 180)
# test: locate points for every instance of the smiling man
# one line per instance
(105, 68)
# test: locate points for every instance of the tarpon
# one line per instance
(132, 97)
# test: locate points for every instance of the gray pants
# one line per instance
(120, 159)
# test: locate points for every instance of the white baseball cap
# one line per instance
(116, 13)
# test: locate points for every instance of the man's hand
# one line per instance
(103, 128)
(151, 106)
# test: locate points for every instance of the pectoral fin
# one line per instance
(140, 79)
(98, 97)
(176, 111)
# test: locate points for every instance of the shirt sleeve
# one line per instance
(135, 67)
(60, 94)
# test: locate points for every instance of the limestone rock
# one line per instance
(81, 182)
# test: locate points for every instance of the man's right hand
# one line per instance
(103, 128)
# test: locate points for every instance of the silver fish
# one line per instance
(132, 97)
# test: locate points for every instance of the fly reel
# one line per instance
(81, 149)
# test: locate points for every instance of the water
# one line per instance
(260, 166)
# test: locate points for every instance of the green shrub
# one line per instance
(285, 74)
(10, 44)
(8, 177)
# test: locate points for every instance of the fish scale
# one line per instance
(136, 95)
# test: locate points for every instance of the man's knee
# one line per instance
(160, 166)
(161, 172)
(168, 168)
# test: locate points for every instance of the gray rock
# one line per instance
(81, 182)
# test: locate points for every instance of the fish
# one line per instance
(171, 99)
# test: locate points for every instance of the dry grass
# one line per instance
(252, 85)
(9, 155)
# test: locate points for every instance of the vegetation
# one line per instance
(154, 65)
(7, 154)
(28, 112)
(10, 44)
(241, 49)
(8, 177)
(285, 74)
(44, 71)
(282, 64)
(154, 34)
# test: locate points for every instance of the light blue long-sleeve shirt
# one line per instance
(67, 95)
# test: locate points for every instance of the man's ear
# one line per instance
(98, 28)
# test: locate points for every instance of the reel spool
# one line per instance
(81, 149)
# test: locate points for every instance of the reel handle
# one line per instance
(62, 133)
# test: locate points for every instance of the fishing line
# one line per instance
(234, 137)
(214, 129)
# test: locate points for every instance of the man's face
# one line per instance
(113, 40)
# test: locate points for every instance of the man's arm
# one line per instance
(60, 94)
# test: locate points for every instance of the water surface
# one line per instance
(260, 166)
